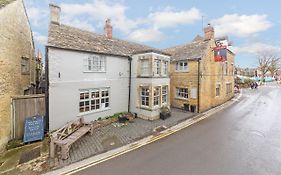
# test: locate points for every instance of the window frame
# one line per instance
(165, 69)
(142, 67)
(91, 100)
(157, 67)
(180, 66)
(181, 94)
(145, 96)
(218, 92)
(95, 63)
(164, 94)
(156, 96)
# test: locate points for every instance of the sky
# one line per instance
(253, 26)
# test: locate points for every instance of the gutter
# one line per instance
(198, 86)
(130, 81)
(47, 87)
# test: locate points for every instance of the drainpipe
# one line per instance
(198, 86)
(47, 87)
(130, 81)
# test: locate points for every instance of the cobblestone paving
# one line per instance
(116, 135)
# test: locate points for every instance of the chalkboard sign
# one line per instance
(33, 129)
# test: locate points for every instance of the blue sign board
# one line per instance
(33, 129)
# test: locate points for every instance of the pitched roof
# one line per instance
(3, 3)
(193, 50)
(66, 37)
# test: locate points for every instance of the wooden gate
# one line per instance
(23, 107)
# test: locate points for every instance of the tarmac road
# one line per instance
(243, 139)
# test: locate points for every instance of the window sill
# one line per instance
(179, 98)
(146, 108)
(94, 71)
(25, 73)
(182, 71)
(92, 112)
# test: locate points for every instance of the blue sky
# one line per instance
(253, 26)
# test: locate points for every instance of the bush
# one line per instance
(14, 144)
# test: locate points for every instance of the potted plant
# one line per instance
(165, 112)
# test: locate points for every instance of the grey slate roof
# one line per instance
(3, 3)
(193, 50)
(66, 37)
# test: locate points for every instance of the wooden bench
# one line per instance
(67, 135)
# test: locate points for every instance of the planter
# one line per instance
(165, 115)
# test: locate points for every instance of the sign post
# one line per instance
(33, 129)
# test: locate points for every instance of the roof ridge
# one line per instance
(103, 36)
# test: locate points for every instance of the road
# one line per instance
(243, 139)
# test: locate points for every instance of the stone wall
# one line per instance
(211, 74)
(15, 42)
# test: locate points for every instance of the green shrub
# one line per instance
(14, 144)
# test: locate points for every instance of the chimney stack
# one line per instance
(108, 29)
(209, 32)
(55, 13)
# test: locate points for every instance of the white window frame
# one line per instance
(93, 100)
(182, 66)
(144, 67)
(145, 97)
(165, 94)
(157, 67)
(182, 93)
(156, 96)
(164, 68)
(95, 63)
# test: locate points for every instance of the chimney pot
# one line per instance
(108, 29)
(55, 13)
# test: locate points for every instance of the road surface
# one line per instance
(244, 139)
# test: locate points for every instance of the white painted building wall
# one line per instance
(64, 92)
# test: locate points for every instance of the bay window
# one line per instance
(145, 96)
(164, 94)
(156, 96)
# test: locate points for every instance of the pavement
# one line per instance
(116, 135)
(243, 138)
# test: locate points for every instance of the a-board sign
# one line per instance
(33, 129)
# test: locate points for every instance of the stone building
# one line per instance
(199, 81)
(17, 62)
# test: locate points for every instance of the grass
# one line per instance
(11, 157)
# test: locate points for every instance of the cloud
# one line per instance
(37, 16)
(170, 18)
(256, 48)
(40, 38)
(98, 11)
(146, 35)
(241, 25)
(78, 22)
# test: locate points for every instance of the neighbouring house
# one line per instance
(248, 72)
(202, 73)
(95, 76)
(17, 61)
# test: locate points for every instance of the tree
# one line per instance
(275, 65)
(268, 62)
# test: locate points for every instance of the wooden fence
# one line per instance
(23, 107)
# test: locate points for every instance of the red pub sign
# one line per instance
(220, 53)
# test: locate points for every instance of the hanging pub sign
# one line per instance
(220, 53)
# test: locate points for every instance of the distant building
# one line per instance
(202, 73)
(248, 72)
(17, 60)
